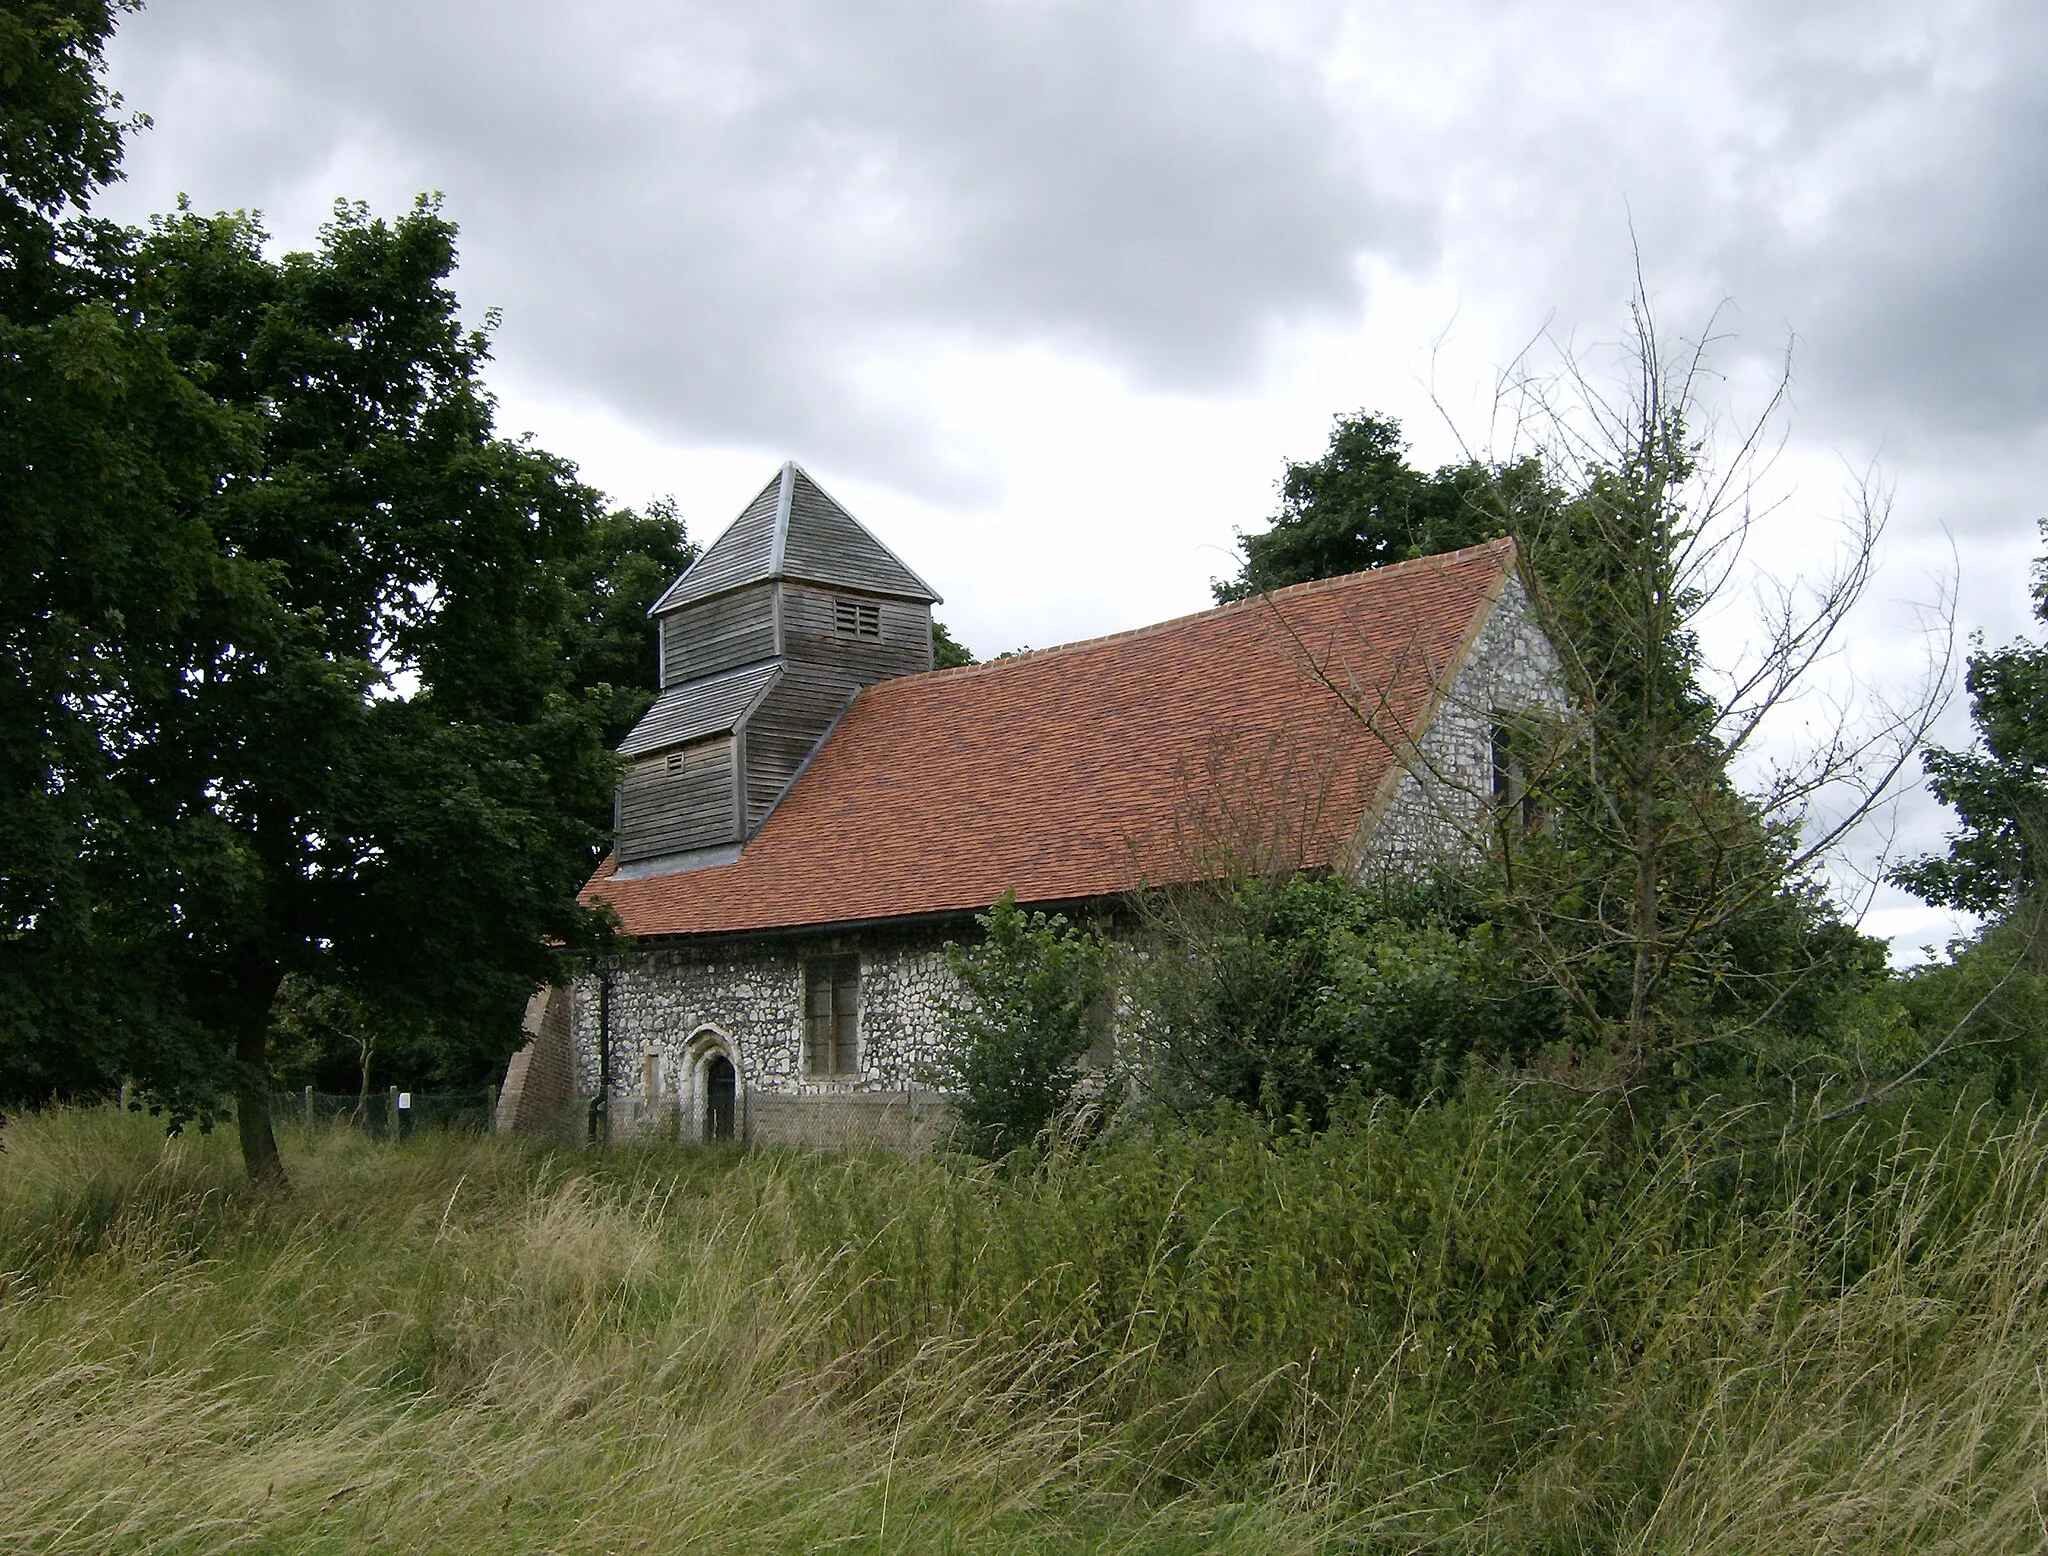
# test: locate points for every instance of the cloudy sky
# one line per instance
(1046, 292)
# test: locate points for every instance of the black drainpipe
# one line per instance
(601, 1104)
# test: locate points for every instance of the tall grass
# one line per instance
(1495, 1325)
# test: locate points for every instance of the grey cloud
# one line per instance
(1871, 177)
(1947, 320)
(728, 221)
(1919, 290)
(710, 216)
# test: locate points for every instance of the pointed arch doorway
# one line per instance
(714, 1101)
(721, 1097)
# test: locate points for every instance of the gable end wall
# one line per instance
(1440, 797)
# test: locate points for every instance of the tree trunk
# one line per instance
(252, 1098)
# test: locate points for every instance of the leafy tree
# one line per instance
(1677, 916)
(1363, 505)
(626, 562)
(1033, 987)
(332, 1039)
(60, 142)
(1982, 1010)
(1680, 913)
(1285, 995)
(335, 1039)
(366, 719)
(1682, 910)
(106, 452)
(1998, 788)
(948, 653)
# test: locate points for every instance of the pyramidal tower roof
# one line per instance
(795, 529)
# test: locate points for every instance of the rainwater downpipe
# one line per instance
(601, 1105)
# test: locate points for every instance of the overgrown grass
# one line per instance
(1495, 1325)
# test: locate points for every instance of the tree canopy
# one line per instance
(1363, 505)
(310, 671)
(60, 142)
(948, 652)
(627, 561)
(1999, 787)
(1676, 918)
(107, 452)
(369, 712)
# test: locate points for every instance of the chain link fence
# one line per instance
(906, 1120)
(911, 1119)
(389, 1113)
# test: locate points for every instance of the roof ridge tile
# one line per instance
(1440, 561)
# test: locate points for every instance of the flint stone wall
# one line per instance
(677, 1006)
(1444, 790)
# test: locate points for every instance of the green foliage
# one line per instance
(1665, 925)
(287, 628)
(1762, 992)
(626, 562)
(1033, 989)
(60, 142)
(1286, 996)
(1648, 840)
(1998, 788)
(1363, 505)
(948, 653)
(1990, 998)
(386, 613)
(106, 451)
(331, 1038)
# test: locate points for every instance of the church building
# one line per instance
(809, 811)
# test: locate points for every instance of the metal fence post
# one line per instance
(309, 1107)
(391, 1113)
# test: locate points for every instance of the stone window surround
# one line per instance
(826, 971)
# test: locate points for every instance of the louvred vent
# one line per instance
(857, 618)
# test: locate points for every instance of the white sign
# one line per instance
(405, 1099)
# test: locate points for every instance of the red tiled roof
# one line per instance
(1253, 734)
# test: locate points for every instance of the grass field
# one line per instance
(1492, 1326)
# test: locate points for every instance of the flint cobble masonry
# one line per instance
(1442, 794)
(678, 1007)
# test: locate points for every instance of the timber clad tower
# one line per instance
(764, 642)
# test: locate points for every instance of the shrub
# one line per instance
(1035, 986)
(1284, 996)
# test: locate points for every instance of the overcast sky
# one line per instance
(1046, 293)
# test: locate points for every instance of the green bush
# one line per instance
(1285, 996)
(1989, 1000)
(1034, 989)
